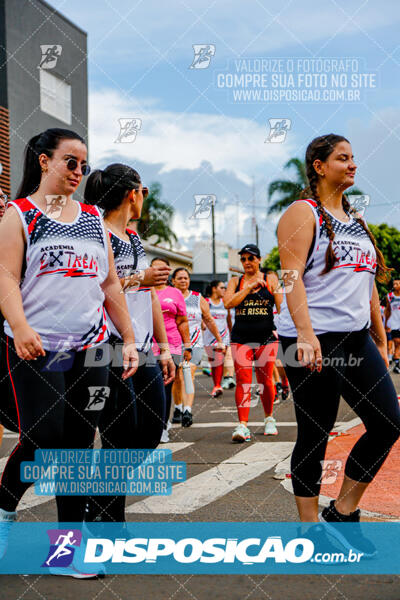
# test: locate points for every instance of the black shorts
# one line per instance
(395, 333)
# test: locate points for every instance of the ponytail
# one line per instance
(108, 188)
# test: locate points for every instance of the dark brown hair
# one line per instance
(320, 149)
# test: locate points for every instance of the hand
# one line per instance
(383, 352)
(187, 355)
(309, 350)
(258, 281)
(157, 275)
(130, 360)
(168, 369)
(132, 281)
(27, 342)
(221, 347)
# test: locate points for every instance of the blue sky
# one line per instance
(196, 139)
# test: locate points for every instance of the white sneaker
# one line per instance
(7, 518)
(164, 437)
(241, 434)
(169, 425)
(270, 426)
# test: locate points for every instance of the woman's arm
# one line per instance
(27, 342)
(388, 312)
(183, 326)
(232, 298)
(295, 234)
(229, 321)
(160, 334)
(377, 329)
(273, 282)
(210, 322)
(116, 307)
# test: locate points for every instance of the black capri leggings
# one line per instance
(133, 418)
(59, 403)
(354, 369)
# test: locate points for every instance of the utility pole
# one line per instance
(256, 234)
(253, 209)
(213, 239)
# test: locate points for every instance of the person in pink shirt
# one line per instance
(176, 324)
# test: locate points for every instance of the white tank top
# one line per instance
(220, 314)
(339, 300)
(66, 264)
(130, 257)
(195, 317)
(394, 320)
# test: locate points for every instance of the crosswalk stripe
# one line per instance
(250, 424)
(30, 499)
(202, 489)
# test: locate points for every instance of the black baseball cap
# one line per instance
(251, 249)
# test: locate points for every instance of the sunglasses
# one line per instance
(250, 258)
(72, 163)
(4, 198)
(145, 192)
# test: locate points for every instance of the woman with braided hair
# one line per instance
(333, 337)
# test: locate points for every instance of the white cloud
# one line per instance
(182, 140)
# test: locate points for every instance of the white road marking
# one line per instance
(30, 499)
(250, 424)
(202, 489)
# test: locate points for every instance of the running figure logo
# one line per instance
(203, 54)
(330, 471)
(128, 129)
(50, 55)
(286, 277)
(359, 202)
(202, 205)
(278, 129)
(55, 204)
(98, 397)
(252, 393)
(62, 547)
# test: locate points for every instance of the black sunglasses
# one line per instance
(250, 258)
(72, 163)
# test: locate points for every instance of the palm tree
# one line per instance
(156, 217)
(290, 190)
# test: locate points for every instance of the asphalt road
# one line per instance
(252, 495)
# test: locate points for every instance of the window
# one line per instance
(55, 96)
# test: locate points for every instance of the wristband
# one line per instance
(188, 350)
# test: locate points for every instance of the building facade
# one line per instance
(43, 80)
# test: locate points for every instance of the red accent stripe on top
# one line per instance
(24, 204)
(309, 200)
(32, 224)
(90, 208)
(131, 231)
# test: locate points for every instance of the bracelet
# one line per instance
(188, 350)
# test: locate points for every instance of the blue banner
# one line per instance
(201, 548)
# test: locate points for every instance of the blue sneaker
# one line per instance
(6, 520)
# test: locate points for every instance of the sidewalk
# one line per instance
(383, 495)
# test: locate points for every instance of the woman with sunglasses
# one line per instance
(134, 415)
(253, 338)
(57, 279)
(198, 311)
(223, 321)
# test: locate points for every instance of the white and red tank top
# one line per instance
(220, 314)
(339, 300)
(130, 257)
(393, 321)
(195, 317)
(66, 263)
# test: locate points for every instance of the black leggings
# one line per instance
(354, 369)
(133, 418)
(54, 395)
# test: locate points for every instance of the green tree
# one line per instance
(272, 261)
(289, 190)
(388, 241)
(156, 217)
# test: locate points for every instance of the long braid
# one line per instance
(383, 271)
(330, 257)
